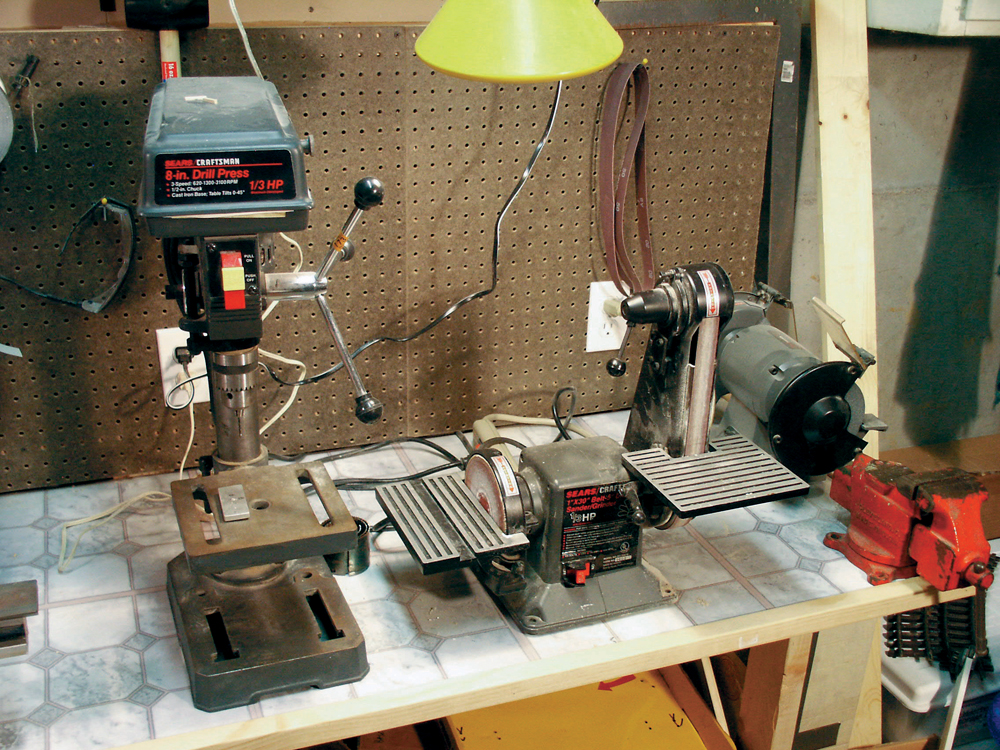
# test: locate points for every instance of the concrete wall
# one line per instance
(936, 176)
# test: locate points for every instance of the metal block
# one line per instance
(18, 602)
(233, 503)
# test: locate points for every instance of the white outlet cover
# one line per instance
(168, 339)
(604, 333)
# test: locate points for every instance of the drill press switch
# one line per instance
(234, 281)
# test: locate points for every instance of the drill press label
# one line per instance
(597, 527)
(235, 177)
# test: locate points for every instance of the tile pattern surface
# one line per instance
(104, 667)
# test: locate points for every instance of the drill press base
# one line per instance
(539, 607)
(287, 629)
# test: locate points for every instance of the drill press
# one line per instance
(253, 596)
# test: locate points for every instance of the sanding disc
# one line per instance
(492, 480)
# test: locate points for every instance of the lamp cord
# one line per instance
(465, 300)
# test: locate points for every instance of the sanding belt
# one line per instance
(613, 185)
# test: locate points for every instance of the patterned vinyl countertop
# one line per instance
(104, 668)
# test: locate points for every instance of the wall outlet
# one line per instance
(171, 372)
(604, 332)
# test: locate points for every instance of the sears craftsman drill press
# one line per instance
(253, 595)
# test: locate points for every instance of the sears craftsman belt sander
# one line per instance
(558, 539)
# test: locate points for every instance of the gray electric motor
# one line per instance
(807, 413)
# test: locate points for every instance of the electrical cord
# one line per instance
(291, 397)
(294, 362)
(465, 442)
(177, 387)
(243, 36)
(350, 453)
(471, 297)
(511, 419)
(367, 483)
(560, 425)
(501, 440)
(97, 520)
(190, 408)
(126, 216)
(185, 385)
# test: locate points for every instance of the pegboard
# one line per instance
(84, 402)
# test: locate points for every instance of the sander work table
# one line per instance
(104, 668)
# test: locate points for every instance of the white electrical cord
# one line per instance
(190, 406)
(295, 389)
(291, 396)
(97, 520)
(184, 382)
(243, 35)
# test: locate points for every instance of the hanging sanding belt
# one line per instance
(612, 192)
(612, 188)
(613, 184)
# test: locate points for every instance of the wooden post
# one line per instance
(867, 728)
(769, 711)
(814, 691)
(847, 235)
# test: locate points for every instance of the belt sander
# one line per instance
(558, 538)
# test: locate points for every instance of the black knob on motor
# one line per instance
(369, 409)
(826, 419)
(616, 367)
(368, 193)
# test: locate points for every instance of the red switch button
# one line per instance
(233, 280)
(577, 573)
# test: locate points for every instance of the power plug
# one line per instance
(171, 345)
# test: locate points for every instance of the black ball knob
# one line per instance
(368, 409)
(368, 193)
(616, 367)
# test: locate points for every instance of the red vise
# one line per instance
(906, 523)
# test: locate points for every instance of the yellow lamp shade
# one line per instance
(518, 41)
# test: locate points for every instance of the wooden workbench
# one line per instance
(312, 726)
(104, 670)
